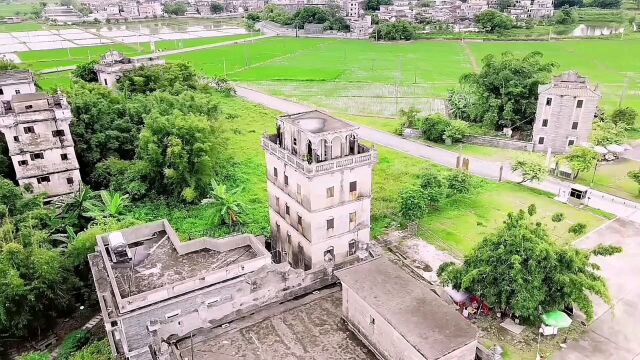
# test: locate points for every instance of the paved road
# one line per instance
(615, 331)
(487, 169)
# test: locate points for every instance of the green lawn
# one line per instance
(612, 178)
(25, 26)
(187, 43)
(10, 9)
(48, 59)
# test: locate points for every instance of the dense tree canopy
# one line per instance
(177, 8)
(374, 5)
(504, 93)
(86, 71)
(519, 269)
(399, 30)
(172, 78)
(494, 21)
(216, 8)
(581, 160)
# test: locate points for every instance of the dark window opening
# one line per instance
(57, 133)
(29, 130)
(329, 224)
(28, 107)
(352, 247)
(286, 209)
(70, 180)
(43, 179)
(105, 82)
(16, 138)
(64, 157)
(545, 122)
(286, 180)
(353, 186)
(17, 92)
(571, 142)
(579, 104)
(1, 91)
(541, 140)
(574, 126)
(23, 163)
(299, 220)
(548, 101)
(37, 156)
(275, 172)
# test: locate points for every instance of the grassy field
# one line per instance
(10, 9)
(25, 26)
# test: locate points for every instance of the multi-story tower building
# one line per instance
(319, 186)
(565, 113)
(36, 128)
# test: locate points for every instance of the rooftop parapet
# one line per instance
(147, 264)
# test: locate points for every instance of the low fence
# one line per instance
(499, 142)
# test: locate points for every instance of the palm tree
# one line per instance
(228, 207)
(110, 205)
(70, 210)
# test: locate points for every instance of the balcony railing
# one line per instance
(344, 162)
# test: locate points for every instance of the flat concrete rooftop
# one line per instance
(164, 266)
(316, 122)
(431, 326)
(314, 331)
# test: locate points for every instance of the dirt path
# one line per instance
(472, 58)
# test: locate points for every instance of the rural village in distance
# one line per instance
(319, 179)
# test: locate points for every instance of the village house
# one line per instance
(565, 113)
(36, 129)
(113, 65)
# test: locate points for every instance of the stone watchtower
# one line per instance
(319, 187)
(565, 113)
(113, 65)
(36, 128)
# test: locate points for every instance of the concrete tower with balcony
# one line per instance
(319, 186)
(565, 113)
(36, 129)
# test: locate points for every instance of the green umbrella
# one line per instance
(556, 318)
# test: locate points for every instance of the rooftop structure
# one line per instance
(319, 185)
(14, 82)
(403, 319)
(62, 14)
(565, 113)
(113, 65)
(36, 128)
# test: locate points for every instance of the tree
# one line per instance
(177, 8)
(412, 204)
(559, 4)
(624, 116)
(605, 132)
(605, 4)
(409, 117)
(228, 207)
(577, 229)
(566, 16)
(505, 92)
(519, 269)
(504, 4)
(532, 209)
(531, 169)
(172, 78)
(110, 205)
(635, 176)
(374, 5)
(492, 21)
(581, 159)
(434, 126)
(216, 7)
(6, 64)
(456, 131)
(183, 153)
(86, 71)
(399, 30)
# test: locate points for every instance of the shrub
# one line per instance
(432, 180)
(456, 131)
(413, 205)
(532, 210)
(557, 217)
(35, 356)
(577, 229)
(434, 126)
(96, 351)
(459, 182)
(74, 342)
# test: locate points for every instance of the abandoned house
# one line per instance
(113, 65)
(565, 113)
(404, 319)
(319, 187)
(36, 129)
(16, 82)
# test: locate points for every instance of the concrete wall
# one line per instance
(40, 140)
(57, 185)
(560, 116)
(499, 143)
(9, 90)
(380, 335)
(51, 163)
(108, 79)
(26, 106)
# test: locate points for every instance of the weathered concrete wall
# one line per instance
(375, 330)
(499, 142)
(13, 89)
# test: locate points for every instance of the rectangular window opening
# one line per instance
(43, 179)
(545, 122)
(574, 125)
(330, 224)
(541, 140)
(579, 104)
(330, 192)
(549, 101)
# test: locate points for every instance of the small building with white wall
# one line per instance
(400, 318)
(16, 82)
